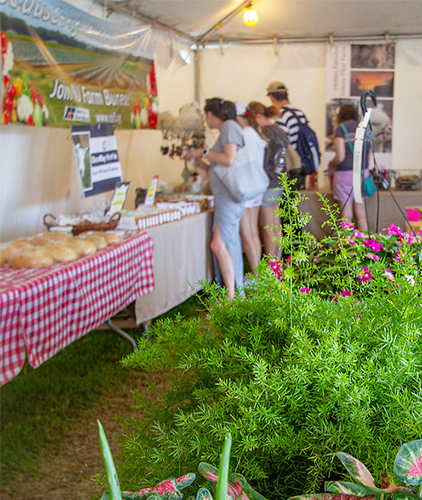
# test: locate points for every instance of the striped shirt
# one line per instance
(290, 124)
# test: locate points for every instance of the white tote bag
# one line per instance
(246, 178)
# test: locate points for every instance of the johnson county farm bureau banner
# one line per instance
(64, 67)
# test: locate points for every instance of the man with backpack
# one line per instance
(295, 124)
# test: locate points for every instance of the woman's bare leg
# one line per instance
(251, 242)
(218, 247)
(360, 216)
(267, 217)
(346, 210)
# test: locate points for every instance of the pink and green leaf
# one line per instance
(408, 463)
(203, 494)
(407, 496)
(328, 496)
(344, 487)
(357, 470)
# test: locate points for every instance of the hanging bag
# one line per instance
(246, 178)
(369, 186)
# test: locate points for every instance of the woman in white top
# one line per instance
(249, 229)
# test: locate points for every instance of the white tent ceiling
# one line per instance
(198, 20)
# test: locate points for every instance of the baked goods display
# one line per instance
(46, 249)
(30, 258)
(82, 247)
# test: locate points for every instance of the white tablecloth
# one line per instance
(182, 257)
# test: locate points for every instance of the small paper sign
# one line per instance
(119, 197)
(150, 196)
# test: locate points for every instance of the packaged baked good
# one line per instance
(30, 258)
(60, 252)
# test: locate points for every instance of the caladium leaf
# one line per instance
(407, 496)
(237, 488)
(408, 463)
(203, 494)
(347, 488)
(328, 496)
(357, 470)
(186, 480)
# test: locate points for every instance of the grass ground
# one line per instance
(38, 406)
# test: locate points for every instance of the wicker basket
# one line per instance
(51, 221)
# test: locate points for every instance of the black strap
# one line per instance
(296, 116)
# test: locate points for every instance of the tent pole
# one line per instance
(215, 43)
(196, 76)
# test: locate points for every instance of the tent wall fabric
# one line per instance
(37, 165)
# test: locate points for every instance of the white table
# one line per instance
(182, 257)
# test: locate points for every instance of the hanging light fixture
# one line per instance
(250, 17)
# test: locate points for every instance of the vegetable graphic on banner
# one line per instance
(96, 159)
(62, 66)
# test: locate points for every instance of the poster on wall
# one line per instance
(62, 66)
(96, 159)
(353, 69)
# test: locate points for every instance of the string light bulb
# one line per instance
(250, 17)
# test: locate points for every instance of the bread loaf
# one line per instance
(111, 238)
(56, 236)
(82, 247)
(30, 258)
(9, 249)
(99, 241)
(60, 252)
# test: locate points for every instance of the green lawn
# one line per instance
(39, 404)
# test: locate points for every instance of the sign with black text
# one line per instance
(96, 159)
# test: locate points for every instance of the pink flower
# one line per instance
(373, 245)
(366, 275)
(394, 230)
(345, 224)
(358, 234)
(304, 289)
(347, 293)
(398, 259)
(410, 239)
(389, 274)
(277, 268)
(372, 256)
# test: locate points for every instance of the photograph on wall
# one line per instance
(82, 158)
(353, 69)
(62, 66)
(96, 159)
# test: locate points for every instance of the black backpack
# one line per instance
(307, 147)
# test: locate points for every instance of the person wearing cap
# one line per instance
(290, 116)
(249, 229)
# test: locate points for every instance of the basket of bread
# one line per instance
(46, 249)
(79, 224)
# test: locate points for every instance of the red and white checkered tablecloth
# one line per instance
(44, 310)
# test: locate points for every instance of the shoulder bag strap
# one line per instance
(346, 133)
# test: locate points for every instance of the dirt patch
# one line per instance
(73, 458)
